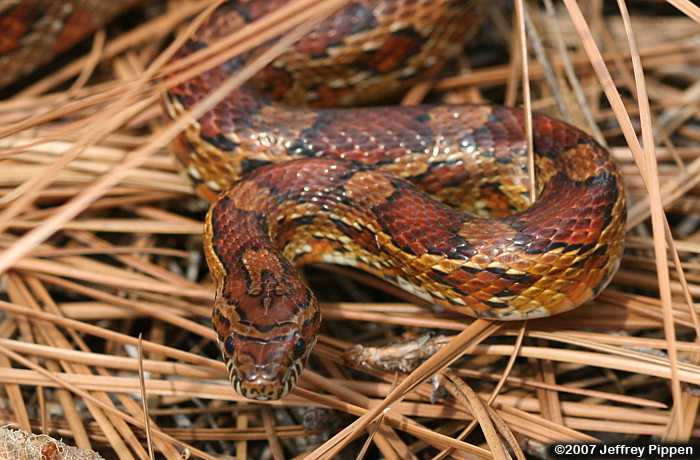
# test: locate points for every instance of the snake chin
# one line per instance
(261, 385)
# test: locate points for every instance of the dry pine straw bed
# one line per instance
(100, 245)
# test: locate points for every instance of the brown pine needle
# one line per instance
(520, 15)
(657, 217)
(144, 401)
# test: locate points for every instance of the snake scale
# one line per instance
(430, 198)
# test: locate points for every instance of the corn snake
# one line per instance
(365, 187)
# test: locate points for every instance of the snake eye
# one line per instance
(228, 345)
(299, 347)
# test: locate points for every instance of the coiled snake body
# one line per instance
(367, 187)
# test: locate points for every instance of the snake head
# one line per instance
(265, 365)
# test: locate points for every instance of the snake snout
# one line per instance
(265, 370)
(263, 382)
